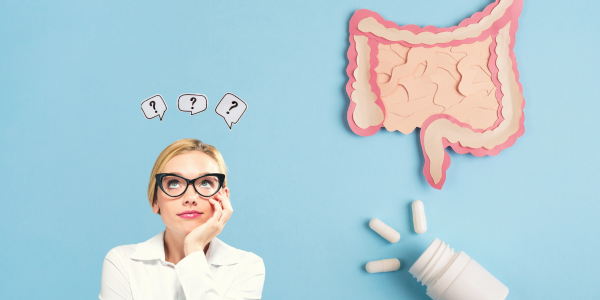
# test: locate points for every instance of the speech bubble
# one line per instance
(154, 106)
(231, 108)
(192, 103)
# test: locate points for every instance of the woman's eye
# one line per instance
(206, 184)
(173, 184)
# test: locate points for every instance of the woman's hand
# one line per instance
(198, 238)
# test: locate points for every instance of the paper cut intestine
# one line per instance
(460, 85)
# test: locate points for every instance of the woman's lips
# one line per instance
(190, 214)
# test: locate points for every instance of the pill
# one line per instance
(419, 221)
(384, 265)
(384, 230)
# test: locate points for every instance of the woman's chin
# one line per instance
(185, 226)
(188, 225)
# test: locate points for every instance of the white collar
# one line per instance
(218, 253)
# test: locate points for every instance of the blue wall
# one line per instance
(76, 151)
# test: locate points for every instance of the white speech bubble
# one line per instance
(231, 108)
(192, 103)
(154, 106)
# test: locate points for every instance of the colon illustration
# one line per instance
(460, 85)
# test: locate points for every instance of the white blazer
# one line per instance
(140, 272)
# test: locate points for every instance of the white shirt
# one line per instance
(140, 272)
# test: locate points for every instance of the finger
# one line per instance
(216, 204)
(226, 203)
(227, 209)
(215, 216)
(218, 210)
(221, 197)
(226, 213)
(225, 217)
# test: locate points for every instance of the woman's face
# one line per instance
(189, 165)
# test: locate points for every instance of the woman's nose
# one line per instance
(188, 201)
(190, 197)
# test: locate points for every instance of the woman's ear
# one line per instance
(226, 191)
(155, 207)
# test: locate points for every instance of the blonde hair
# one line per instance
(181, 147)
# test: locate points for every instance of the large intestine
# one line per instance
(459, 84)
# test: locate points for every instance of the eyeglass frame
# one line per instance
(159, 177)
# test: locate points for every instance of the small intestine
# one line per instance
(416, 83)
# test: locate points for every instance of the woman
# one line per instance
(188, 189)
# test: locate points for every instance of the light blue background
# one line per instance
(76, 151)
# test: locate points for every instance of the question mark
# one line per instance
(193, 101)
(235, 104)
(153, 104)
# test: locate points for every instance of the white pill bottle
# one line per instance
(455, 276)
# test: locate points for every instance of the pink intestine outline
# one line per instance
(510, 15)
(371, 130)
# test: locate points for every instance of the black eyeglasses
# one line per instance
(174, 185)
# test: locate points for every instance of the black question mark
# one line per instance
(193, 101)
(153, 104)
(235, 104)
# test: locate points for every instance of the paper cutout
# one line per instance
(231, 108)
(459, 84)
(153, 107)
(192, 103)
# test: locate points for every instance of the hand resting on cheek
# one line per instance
(199, 238)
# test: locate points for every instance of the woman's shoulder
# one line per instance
(125, 252)
(121, 252)
(224, 254)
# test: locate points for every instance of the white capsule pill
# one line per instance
(384, 265)
(419, 221)
(385, 231)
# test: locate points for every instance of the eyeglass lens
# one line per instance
(174, 186)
